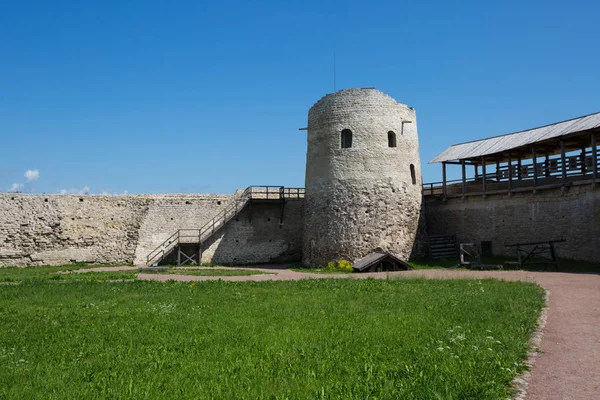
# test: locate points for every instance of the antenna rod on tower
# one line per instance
(334, 72)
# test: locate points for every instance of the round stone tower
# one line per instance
(363, 177)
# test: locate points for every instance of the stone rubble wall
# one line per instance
(363, 198)
(166, 214)
(56, 229)
(123, 229)
(572, 214)
(257, 236)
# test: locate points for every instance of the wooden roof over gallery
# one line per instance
(574, 134)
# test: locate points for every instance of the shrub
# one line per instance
(344, 265)
(339, 266)
(331, 266)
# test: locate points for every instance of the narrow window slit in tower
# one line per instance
(412, 174)
(391, 139)
(346, 139)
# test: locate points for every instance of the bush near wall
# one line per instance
(339, 266)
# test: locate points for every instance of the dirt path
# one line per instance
(568, 366)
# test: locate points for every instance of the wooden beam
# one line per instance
(534, 157)
(547, 166)
(444, 179)
(498, 171)
(594, 159)
(518, 167)
(456, 162)
(563, 160)
(483, 174)
(509, 174)
(464, 178)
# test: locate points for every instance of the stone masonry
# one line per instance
(572, 214)
(59, 229)
(366, 197)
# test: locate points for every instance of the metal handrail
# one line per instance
(232, 209)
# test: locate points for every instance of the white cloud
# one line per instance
(111, 193)
(84, 190)
(32, 175)
(16, 187)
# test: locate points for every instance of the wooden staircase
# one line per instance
(442, 246)
(198, 236)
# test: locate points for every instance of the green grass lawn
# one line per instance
(17, 274)
(55, 273)
(565, 265)
(325, 339)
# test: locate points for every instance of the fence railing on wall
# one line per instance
(522, 174)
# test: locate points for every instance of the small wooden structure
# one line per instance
(471, 257)
(527, 253)
(380, 262)
(470, 254)
(442, 246)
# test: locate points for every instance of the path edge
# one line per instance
(521, 382)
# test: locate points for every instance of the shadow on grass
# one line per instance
(537, 265)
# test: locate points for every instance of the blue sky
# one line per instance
(194, 97)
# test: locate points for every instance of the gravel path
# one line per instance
(568, 366)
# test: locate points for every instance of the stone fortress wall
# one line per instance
(359, 199)
(572, 214)
(365, 197)
(123, 229)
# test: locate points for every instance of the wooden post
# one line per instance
(563, 160)
(553, 255)
(519, 167)
(582, 158)
(509, 173)
(594, 160)
(464, 178)
(476, 171)
(444, 179)
(498, 171)
(483, 173)
(534, 167)
(547, 167)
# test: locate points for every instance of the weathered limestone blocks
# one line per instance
(55, 229)
(364, 195)
(58, 229)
